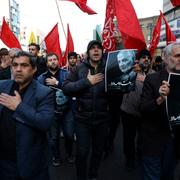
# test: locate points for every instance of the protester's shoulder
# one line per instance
(63, 70)
(42, 89)
(41, 58)
(5, 70)
(150, 71)
(79, 66)
(105, 55)
(5, 83)
(42, 76)
(154, 77)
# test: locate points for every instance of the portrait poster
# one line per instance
(173, 99)
(119, 74)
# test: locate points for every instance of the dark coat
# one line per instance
(61, 77)
(41, 66)
(92, 100)
(62, 103)
(155, 128)
(33, 116)
(5, 73)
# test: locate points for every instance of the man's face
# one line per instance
(22, 70)
(33, 50)
(5, 61)
(95, 53)
(125, 61)
(72, 61)
(52, 63)
(173, 64)
(145, 62)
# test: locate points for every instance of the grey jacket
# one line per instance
(131, 100)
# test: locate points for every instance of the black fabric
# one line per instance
(155, 124)
(41, 66)
(5, 73)
(8, 132)
(49, 75)
(8, 129)
(92, 101)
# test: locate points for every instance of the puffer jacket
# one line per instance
(92, 100)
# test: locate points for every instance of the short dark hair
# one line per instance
(94, 42)
(32, 59)
(70, 54)
(51, 54)
(3, 51)
(143, 52)
(34, 44)
(158, 59)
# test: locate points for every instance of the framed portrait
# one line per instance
(119, 74)
(173, 99)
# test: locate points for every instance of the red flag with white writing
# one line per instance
(82, 4)
(170, 37)
(53, 44)
(175, 2)
(8, 37)
(129, 26)
(69, 46)
(156, 35)
(108, 40)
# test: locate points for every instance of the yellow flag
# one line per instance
(32, 38)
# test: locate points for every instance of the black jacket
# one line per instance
(92, 100)
(155, 128)
(41, 66)
(5, 73)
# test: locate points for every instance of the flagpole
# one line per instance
(60, 18)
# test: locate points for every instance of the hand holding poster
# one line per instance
(173, 99)
(119, 74)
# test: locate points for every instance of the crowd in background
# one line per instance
(87, 116)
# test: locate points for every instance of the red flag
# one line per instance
(170, 37)
(175, 2)
(69, 46)
(129, 25)
(108, 40)
(8, 37)
(82, 5)
(52, 42)
(156, 35)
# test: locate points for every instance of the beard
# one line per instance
(54, 69)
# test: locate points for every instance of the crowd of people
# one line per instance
(40, 101)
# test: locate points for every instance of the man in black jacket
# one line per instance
(157, 138)
(86, 83)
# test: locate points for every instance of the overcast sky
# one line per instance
(43, 15)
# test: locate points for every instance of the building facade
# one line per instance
(10, 10)
(14, 17)
(147, 26)
(172, 15)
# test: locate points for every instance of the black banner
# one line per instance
(173, 99)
